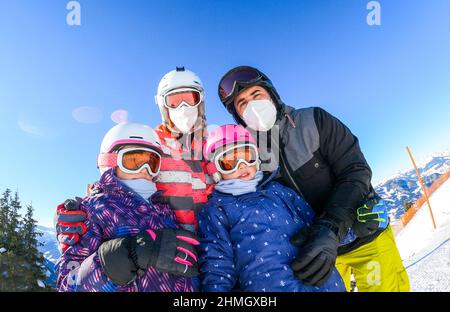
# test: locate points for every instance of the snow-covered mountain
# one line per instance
(405, 187)
(50, 251)
(50, 247)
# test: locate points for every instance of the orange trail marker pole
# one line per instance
(423, 186)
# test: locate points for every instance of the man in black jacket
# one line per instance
(321, 159)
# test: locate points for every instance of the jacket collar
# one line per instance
(268, 177)
(110, 184)
(284, 118)
(181, 145)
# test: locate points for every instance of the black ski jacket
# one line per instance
(320, 158)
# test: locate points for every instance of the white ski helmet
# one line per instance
(177, 79)
(127, 133)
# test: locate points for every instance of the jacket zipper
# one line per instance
(288, 169)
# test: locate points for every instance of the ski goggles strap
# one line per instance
(107, 160)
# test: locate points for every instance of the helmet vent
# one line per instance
(136, 137)
(180, 69)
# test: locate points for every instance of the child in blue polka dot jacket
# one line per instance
(246, 226)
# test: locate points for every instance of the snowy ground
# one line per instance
(425, 251)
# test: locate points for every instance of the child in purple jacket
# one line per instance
(132, 242)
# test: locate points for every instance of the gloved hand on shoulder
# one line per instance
(318, 246)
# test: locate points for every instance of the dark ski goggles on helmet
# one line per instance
(238, 75)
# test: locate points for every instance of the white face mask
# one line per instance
(260, 115)
(184, 118)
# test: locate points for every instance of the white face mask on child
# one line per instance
(143, 187)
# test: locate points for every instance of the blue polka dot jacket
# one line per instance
(245, 241)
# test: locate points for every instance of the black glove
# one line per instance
(167, 250)
(371, 217)
(318, 246)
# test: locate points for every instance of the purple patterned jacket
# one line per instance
(114, 210)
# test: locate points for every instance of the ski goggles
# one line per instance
(174, 99)
(244, 75)
(228, 161)
(132, 160)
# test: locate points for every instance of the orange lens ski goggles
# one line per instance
(229, 160)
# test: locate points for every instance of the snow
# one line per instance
(426, 251)
(50, 247)
(2, 250)
(404, 186)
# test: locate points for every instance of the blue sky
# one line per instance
(390, 84)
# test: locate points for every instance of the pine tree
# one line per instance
(14, 224)
(12, 260)
(4, 213)
(9, 264)
(407, 205)
(4, 208)
(32, 255)
(21, 263)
